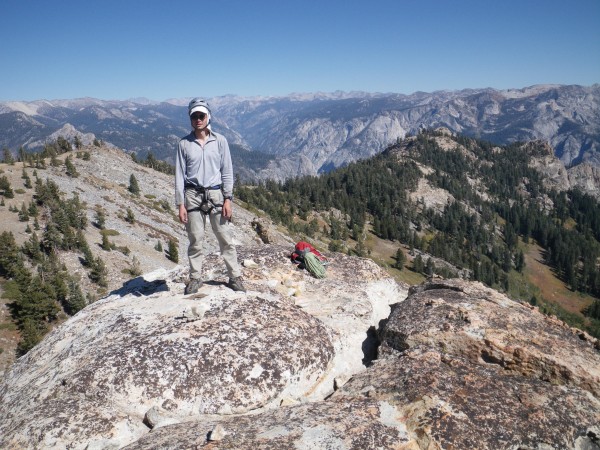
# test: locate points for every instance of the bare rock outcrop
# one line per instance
(472, 321)
(586, 177)
(423, 395)
(109, 365)
(288, 366)
(447, 402)
(544, 160)
(148, 356)
(421, 400)
(347, 423)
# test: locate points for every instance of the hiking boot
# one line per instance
(193, 286)
(235, 284)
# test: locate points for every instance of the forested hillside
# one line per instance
(454, 206)
(61, 250)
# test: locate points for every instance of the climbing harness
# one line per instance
(207, 205)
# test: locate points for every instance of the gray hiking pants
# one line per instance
(221, 227)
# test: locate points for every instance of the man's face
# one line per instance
(199, 120)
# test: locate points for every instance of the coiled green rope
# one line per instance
(314, 265)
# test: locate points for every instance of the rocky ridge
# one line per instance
(148, 351)
(290, 365)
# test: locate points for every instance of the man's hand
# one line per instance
(227, 209)
(183, 216)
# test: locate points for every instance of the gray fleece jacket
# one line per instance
(203, 167)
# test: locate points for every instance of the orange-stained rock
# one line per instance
(470, 320)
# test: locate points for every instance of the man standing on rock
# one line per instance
(204, 188)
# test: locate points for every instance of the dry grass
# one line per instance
(552, 289)
(383, 253)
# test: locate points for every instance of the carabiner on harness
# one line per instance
(207, 205)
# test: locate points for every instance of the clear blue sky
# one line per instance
(119, 49)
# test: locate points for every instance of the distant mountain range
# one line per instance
(306, 134)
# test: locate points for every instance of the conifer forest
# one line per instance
(478, 235)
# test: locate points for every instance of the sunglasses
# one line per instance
(198, 116)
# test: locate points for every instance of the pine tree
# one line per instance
(429, 267)
(9, 254)
(360, 249)
(75, 301)
(400, 259)
(70, 168)
(418, 265)
(106, 245)
(56, 278)
(507, 260)
(129, 217)
(173, 252)
(5, 188)
(32, 248)
(54, 162)
(158, 247)
(63, 145)
(39, 162)
(100, 219)
(76, 213)
(520, 261)
(134, 187)
(99, 273)
(82, 244)
(23, 156)
(31, 334)
(23, 214)
(38, 302)
(51, 239)
(8, 157)
(32, 210)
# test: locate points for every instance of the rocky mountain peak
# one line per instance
(538, 149)
(148, 347)
(291, 364)
(68, 132)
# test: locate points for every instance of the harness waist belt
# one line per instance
(202, 189)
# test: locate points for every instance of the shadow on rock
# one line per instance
(141, 287)
(370, 346)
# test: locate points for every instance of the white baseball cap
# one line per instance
(198, 104)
